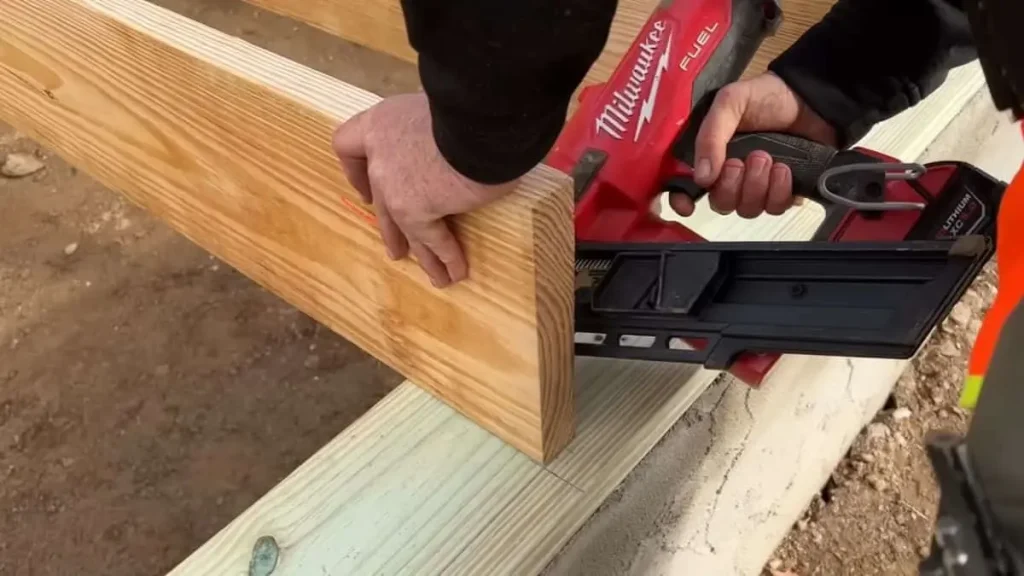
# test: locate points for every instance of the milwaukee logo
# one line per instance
(619, 112)
(698, 46)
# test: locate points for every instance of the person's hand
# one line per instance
(755, 184)
(389, 155)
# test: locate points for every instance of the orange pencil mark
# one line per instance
(364, 213)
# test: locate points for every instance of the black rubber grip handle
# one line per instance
(806, 159)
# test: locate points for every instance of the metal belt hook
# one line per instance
(893, 171)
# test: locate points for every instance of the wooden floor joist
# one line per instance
(230, 145)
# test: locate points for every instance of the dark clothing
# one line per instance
(499, 74)
(997, 28)
(868, 60)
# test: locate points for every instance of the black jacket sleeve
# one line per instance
(499, 75)
(869, 60)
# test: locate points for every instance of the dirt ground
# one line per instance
(877, 512)
(149, 394)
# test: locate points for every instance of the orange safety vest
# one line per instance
(1010, 268)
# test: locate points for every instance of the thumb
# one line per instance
(718, 127)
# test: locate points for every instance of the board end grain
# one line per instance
(554, 244)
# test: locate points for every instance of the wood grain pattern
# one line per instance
(436, 495)
(376, 24)
(230, 145)
(379, 25)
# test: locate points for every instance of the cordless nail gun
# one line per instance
(898, 245)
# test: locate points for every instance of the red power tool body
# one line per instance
(631, 139)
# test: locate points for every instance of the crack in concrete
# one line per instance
(728, 471)
(721, 398)
(849, 380)
(762, 516)
(772, 511)
(847, 391)
(686, 548)
(796, 466)
(714, 420)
